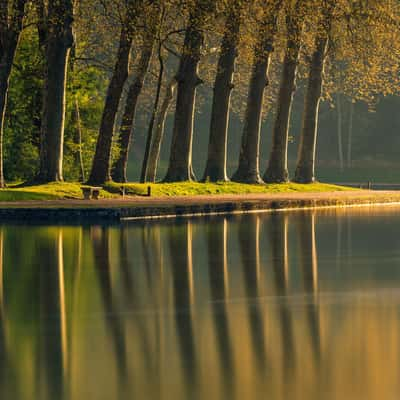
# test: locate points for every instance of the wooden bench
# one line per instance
(91, 192)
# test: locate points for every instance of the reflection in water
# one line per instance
(52, 336)
(5, 364)
(249, 236)
(100, 238)
(180, 242)
(309, 269)
(278, 235)
(251, 307)
(219, 284)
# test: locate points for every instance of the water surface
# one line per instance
(299, 305)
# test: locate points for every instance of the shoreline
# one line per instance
(151, 208)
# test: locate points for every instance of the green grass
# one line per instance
(66, 190)
(194, 188)
(50, 191)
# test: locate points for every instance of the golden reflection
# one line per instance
(249, 239)
(297, 335)
(339, 236)
(314, 260)
(61, 288)
(189, 242)
(1, 271)
(278, 236)
(257, 255)
(309, 269)
(308, 251)
(180, 241)
(101, 248)
(225, 258)
(4, 351)
(217, 270)
(285, 249)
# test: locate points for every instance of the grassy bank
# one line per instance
(51, 191)
(54, 191)
(194, 188)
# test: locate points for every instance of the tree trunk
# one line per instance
(149, 139)
(6, 60)
(51, 152)
(180, 162)
(340, 131)
(10, 29)
(100, 171)
(126, 131)
(277, 171)
(350, 135)
(155, 147)
(305, 171)
(78, 140)
(217, 148)
(59, 41)
(248, 169)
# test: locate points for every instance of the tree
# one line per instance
(158, 135)
(277, 170)
(77, 122)
(12, 13)
(55, 27)
(126, 130)
(100, 171)
(217, 149)
(305, 170)
(180, 161)
(248, 169)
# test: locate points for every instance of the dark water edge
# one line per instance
(290, 305)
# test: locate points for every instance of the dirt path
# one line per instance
(362, 196)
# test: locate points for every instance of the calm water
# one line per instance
(285, 306)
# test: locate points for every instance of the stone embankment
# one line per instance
(139, 208)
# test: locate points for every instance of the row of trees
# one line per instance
(253, 53)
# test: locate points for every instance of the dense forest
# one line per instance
(211, 90)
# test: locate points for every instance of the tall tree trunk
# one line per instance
(158, 135)
(59, 41)
(149, 139)
(5, 71)
(350, 135)
(217, 148)
(10, 29)
(126, 130)
(78, 140)
(180, 161)
(100, 171)
(340, 131)
(277, 170)
(248, 170)
(77, 123)
(305, 170)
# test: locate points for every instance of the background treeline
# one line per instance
(196, 89)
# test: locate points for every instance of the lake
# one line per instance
(298, 305)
